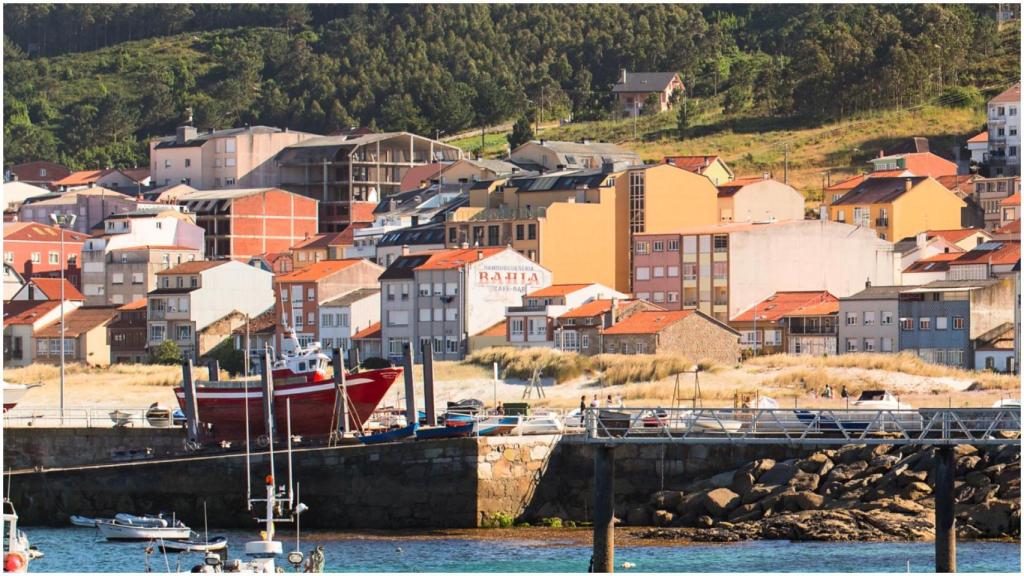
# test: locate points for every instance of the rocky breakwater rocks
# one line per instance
(853, 493)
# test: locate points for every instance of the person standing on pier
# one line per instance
(583, 404)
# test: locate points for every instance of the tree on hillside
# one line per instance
(522, 132)
(682, 118)
(652, 104)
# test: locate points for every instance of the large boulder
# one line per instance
(742, 482)
(966, 464)
(992, 518)
(663, 518)
(722, 479)
(977, 478)
(665, 499)
(805, 481)
(756, 493)
(638, 516)
(720, 501)
(847, 472)
(806, 500)
(915, 491)
(986, 493)
(746, 512)
(781, 473)
(908, 476)
(758, 467)
(817, 463)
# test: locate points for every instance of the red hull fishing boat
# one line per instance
(303, 378)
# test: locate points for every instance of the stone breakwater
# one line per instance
(852, 493)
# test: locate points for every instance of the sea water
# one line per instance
(77, 550)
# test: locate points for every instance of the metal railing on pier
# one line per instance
(98, 417)
(929, 426)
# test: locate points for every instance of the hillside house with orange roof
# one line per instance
(989, 260)
(300, 295)
(33, 249)
(687, 333)
(21, 319)
(712, 167)
(533, 322)
(899, 207)
(110, 178)
(85, 337)
(441, 298)
(977, 145)
(91, 206)
(195, 296)
(929, 269)
(792, 322)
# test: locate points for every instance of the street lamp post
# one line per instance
(62, 221)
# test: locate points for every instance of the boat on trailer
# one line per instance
(301, 376)
(460, 430)
(391, 435)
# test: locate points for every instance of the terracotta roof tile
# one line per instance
(995, 253)
(956, 235)
(454, 259)
(35, 232)
(589, 309)
(936, 263)
(979, 137)
(848, 184)
(361, 211)
(371, 332)
(556, 290)
(648, 322)
(26, 311)
(1012, 200)
(733, 186)
(194, 267)
(82, 177)
(499, 329)
(1010, 228)
(1012, 94)
(316, 271)
(78, 322)
(782, 304)
(416, 175)
(51, 288)
(695, 164)
(134, 305)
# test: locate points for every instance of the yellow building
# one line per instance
(899, 207)
(579, 224)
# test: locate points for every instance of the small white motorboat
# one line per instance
(540, 423)
(1008, 403)
(159, 416)
(146, 521)
(13, 393)
(194, 545)
(84, 521)
(17, 550)
(118, 530)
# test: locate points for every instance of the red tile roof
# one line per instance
(887, 173)
(361, 211)
(954, 181)
(78, 322)
(26, 311)
(957, 235)
(499, 329)
(648, 322)
(82, 177)
(51, 288)
(194, 267)
(35, 232)
(371, 332)
(134, 305)
(848, 184)
(695, 164)
(1006, 253)
(589, 309)
(925, 164)
(1011, 95)
(1010, 228)
(937, 263)
(137, 174)
(979, 137)
(316, 271)
(819, 309)
(1012, 200)
(318, 241)
(782, 304)
(415, 176)
(556, 290)
(454, 259)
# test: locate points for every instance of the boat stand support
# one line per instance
(945, 520)
(604, 509)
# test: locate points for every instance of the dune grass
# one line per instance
(134, 374)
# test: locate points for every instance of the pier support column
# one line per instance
(945, 521)
(604, 509)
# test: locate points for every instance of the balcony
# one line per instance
(881, 222)
(525, 309)
(503, 213)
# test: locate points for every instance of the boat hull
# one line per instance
(217, 543)
(459, 431)
(117, 531)
(222, 407)
(13, 394)
(391, 435)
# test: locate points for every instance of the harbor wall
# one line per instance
(453, 483)
(34, 446)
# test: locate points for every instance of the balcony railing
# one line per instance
(882, 222)
(537, 308)
(502, 213)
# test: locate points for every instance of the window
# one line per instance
(689, 271)
(643, 295)
(405, 292)
(424, 289)
(641, 247)
(721, 243)
(298, 318)
(229, 181)
(117, 278)
(438, 314)
(841, 216)
(193, 281)
(673, 296)
(451, 314)
(658, 246)
(1012, 152)
(179, 281)
(906, 324)
(720, 270)
(229, 145)
(584, 341)
(424, 314)
(284, 294)
(516, 326)
(851, 318)
(887, 344)
(673, 245)
(869, 344)
(643, 273)
(659, 297)
(156, 332)
(453, 235)
(520, 232)
(773, 337)
(851, 344)
(532, 231)
(673, 271)
(184, 332)
(54, 258)
(398, 318)
(309, 294)
(451, 344)
(188, 162)
(167, 163)
(886, 319)
(438, 345)
(451, 289)
(229, 162)
(35, 258)
(659, 271)
(137, 277)
(438, 287)
(941, 322)
(869, 318)
(924, 323)
(310, 318)
(637, 201)
(958, 322)
(396, 346)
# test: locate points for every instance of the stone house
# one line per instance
(581, 329)
(688, 333)
(633, 89)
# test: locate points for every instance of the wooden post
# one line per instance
(945, 520)
(604, 509)
(214, 367)
(191, 405)
(428, 383)
(410, 393)
(342, 387)
(267, 385)
(353, 354)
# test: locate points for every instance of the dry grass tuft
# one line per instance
(905, 363)
(521, 362)
(807, 380)
(623, 369)
(136, 374)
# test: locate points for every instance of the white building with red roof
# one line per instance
(533, 322)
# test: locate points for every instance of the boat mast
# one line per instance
(248, 471)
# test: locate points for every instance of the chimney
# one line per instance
(464, 245)
(706, 162)
(185, 133)
(867, 283)
(615, 307)
(922, 239)
(622, 76)
(405, 249)
(764, 175)
(908, 184)
(479, 255)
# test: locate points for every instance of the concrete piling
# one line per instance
(945, 520)
(188, 385)
(604, 509)
(342, 388)
(410, 393)
(428, 383)
(214, 367)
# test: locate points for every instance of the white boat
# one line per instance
(879, 400)
(1008, 403)
(706, 420)
(194, 545)
(84, 521)
(540, 423)
(147, 521)
(13, 393)
(116, 530)
(574, 419)
(18, 553)
(159, 416)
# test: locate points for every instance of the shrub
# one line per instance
(623, 369)
(497, 520)
(374, 363)
(554, 522)
(228, 357)
(961, 97)
(167, 352)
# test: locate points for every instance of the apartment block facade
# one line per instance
(899, 207)
(869, 320)
(90, 206)
(1003, 157)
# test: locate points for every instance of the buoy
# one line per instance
(14, 562)
(398, 549)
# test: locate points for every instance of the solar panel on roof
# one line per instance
(989, 246)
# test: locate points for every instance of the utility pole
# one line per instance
(636, 112)
(63, 221)
(785, 172)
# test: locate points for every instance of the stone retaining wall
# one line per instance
(33, 446)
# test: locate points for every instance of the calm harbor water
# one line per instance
(76, 550)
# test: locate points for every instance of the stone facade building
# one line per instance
(688, 333)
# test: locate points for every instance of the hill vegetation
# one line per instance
(89, 84)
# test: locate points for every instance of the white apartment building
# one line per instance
(1004, 151)
(342, 317)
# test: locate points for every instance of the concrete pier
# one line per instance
(604, 509)
(945, 521)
